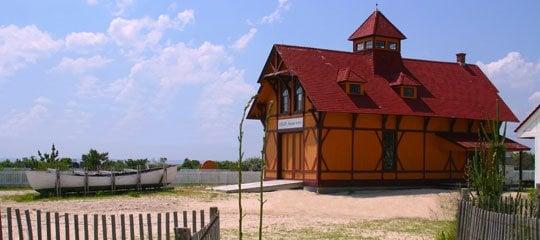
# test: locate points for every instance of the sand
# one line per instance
(289, 208)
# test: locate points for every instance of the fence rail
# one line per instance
(183, 177)
(35, 224)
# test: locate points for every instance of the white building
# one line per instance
(530, 128)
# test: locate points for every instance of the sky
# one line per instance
(150, 79)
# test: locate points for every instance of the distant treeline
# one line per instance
(94, 161)
(250, 164)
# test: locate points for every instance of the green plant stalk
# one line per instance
(485, 171)
(263, 167)
(240, 157)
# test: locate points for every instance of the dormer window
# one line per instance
(392, 46)
(369, 44)
(284, 101)
(380, 44)
(355, 89)
(408, 92)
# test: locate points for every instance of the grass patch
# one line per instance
(399, 228)
(198, 192)
(14, 188)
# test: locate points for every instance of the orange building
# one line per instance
(371, 117)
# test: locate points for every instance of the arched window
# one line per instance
(285, 101)
(299, 99)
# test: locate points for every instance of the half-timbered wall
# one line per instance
(352, 148)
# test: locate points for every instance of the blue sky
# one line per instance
(141, 78)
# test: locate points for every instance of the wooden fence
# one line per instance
(477, 223)
(35, 224)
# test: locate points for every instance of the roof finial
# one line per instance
(376, 6)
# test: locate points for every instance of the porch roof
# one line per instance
(470, 141)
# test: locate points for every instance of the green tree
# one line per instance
(134, 163)
(50, 160)
(190, 164)
(49, 157)
(95, 160)
(252, 164)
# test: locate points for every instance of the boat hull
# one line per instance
(45, 181)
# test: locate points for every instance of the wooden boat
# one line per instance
(61, 182)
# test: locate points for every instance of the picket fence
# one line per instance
(11, 178)
(478, 223)
(35, 224)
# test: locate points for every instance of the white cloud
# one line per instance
(243, 41)
(20, 46)
(185, 17)
(283, 5)
(89, 87)
(122, 6)
(154, 84)
(218, 97)
(179, 64)
(80, 40)
(140, 34)
(513, 70)
(535, 98)
(92, 2)
(80, 65)
(19, 122)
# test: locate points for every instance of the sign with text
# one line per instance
(290, 123)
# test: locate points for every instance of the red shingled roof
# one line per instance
(405, 80)
(377, 24)
(447, 89)
(345, 74)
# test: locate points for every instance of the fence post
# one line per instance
(1, 233)
(9, 224)
(48, 225)
(537, 200)
(57, 225)
(28, 224)
(19, 223)
(465, 193)
(66, 223)
(214, 213)
(182, 234)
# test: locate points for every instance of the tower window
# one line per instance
(299, 104)
(369, 44)
(379, 44)
(284, 101)
(360, 46)
(408, 92)
(392, 46)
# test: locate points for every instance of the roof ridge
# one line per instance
(435, 61)
(313, 48)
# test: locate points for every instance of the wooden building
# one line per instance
(530, 129)
(369, 116)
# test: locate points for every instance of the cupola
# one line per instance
(377, 32)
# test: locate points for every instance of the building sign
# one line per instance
(290, 123)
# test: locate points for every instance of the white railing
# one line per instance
(184, 177)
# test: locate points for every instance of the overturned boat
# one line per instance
(54, 181)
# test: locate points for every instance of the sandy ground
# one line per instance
(289, 208)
